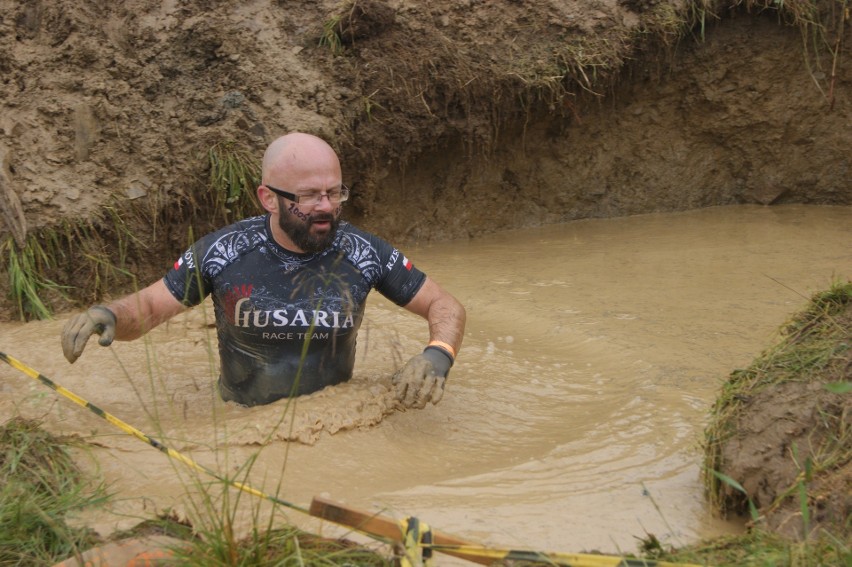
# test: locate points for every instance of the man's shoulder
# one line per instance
(232, 241)
(349, 228)
(247, 225)
(252, 228)
(350, 239)
(372, 255)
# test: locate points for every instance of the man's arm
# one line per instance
(446, 316)
(138, 313)
(422, 379)
(125, 319)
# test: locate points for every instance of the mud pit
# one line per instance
(453, 120)
(580, 396)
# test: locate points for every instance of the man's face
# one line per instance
(312, 231)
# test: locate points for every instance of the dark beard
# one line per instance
(299, 230)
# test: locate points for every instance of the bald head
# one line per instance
(298, 166)
(297, 156)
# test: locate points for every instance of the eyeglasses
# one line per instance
(335, 196)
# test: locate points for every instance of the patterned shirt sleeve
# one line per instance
(185, 280)
(399, 280)
(191, 279)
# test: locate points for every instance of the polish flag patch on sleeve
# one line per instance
(179, 263)
(407, 263)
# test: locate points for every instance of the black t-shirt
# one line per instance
(287, 322)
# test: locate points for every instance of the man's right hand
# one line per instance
(75, 335)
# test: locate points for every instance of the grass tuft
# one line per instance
(760, 548)
(26, 269)
(330, 36)
(40, 487)
(234, 178)
(280, 546)
(37, 272)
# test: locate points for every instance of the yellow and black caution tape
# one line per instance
(552, 558)
(127, 428)
(417, 537)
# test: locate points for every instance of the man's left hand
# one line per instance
(422, 378)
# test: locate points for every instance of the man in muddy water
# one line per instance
(289, 290)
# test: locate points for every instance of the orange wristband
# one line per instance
(444, 346)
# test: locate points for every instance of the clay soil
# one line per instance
(453, 118)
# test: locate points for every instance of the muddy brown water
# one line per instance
(572, 420)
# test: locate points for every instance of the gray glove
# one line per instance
(422, 378)
(75, 335)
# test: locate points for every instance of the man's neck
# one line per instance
(282, 239)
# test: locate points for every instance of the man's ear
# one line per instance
(268, 199)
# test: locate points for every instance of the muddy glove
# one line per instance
(422, 378)
(75, 335)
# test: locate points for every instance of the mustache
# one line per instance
(321, 217)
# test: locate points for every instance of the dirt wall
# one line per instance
(736, 118)
(452, 120)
